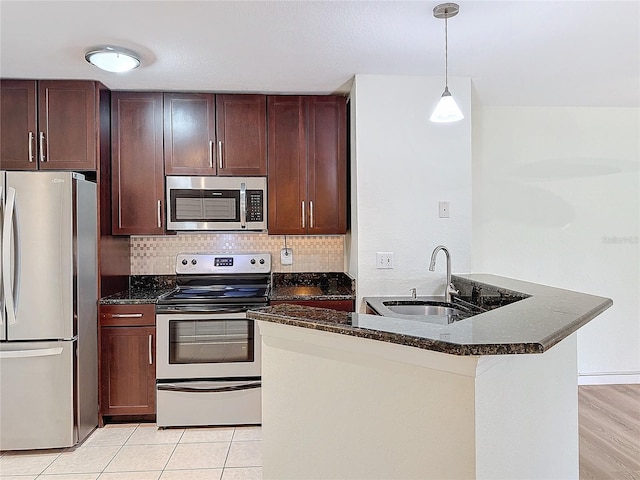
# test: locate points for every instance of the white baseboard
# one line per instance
(609, 378)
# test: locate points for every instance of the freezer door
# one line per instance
(36, 395)
(46, 222)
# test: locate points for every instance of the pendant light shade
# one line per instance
(113, 59)
(447, 110)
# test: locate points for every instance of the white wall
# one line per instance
(556, 201)
(402, 165)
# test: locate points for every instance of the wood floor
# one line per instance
(609, 420)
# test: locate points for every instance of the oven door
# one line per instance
(206, 346)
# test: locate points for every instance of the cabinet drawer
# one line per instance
(127, 315)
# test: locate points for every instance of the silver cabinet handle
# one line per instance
(159, 213)
(125, 315)
(220, 154)
(310, 213)
(43, 157)
(150, 345)
(31, 139)
(211, 153)
(303, 215)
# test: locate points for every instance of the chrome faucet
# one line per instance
(450, 289)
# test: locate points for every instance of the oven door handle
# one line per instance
(206, 388)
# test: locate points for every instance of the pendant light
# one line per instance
(113, 59)
(447, 109)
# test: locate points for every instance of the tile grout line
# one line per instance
(224, 465)
(119, 450)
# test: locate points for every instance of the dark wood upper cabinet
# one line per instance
(307, 165)
(189, 134)
(136, 161)
(241, 122)
(207, 134)
(327, 165)
(49, 124)
(18, 125)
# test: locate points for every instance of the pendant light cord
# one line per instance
(446, 55)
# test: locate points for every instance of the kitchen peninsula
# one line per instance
(355, 396)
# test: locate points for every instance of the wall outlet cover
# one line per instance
(286, 256)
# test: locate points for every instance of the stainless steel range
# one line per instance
(208, 352)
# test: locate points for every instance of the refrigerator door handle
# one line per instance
(9, 228)
(42, 352)
(1, 268)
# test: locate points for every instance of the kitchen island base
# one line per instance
(343, 407)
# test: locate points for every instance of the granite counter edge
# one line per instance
(267, 314)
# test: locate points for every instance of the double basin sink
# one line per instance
(474, 298)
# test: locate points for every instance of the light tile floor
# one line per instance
(143, 452)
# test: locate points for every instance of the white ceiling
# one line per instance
(546, 53)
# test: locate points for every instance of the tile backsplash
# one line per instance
(156, 255)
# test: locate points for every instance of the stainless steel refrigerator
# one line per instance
(48, 309)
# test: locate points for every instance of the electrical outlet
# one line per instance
(286, 256)
(384, 260)
(443, 208)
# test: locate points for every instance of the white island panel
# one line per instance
(343, 407)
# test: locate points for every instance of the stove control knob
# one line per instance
(194, 261)
(262, 261)
(253, 261)
(184, 261)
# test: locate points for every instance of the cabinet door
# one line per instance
(18, 125)
(327, 165)
(137, 173)
(67, 123)
(287, 154)
(189, 134)
(242, 134)
(128, 371)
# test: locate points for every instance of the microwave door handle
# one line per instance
(243, 205)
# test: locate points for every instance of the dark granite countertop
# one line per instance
(527, 318)
(142, 289)
(284, 286)
(312, 286)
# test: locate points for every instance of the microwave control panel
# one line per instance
(255, 206)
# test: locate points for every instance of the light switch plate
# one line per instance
(443, 209)
(286, 256)
(384, 260)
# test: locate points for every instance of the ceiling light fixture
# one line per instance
(447, 109)
(113, 59)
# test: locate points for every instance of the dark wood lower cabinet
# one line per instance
(127, 361)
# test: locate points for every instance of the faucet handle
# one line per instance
(452, 290)
(413, 293)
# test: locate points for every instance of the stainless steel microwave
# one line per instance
(217, 203)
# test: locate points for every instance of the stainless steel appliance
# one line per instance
(48, 306)
(217, 203)
(207, 351)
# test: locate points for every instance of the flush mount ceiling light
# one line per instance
(113, 59)
(447, 109)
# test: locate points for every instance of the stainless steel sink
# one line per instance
(423, 309)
